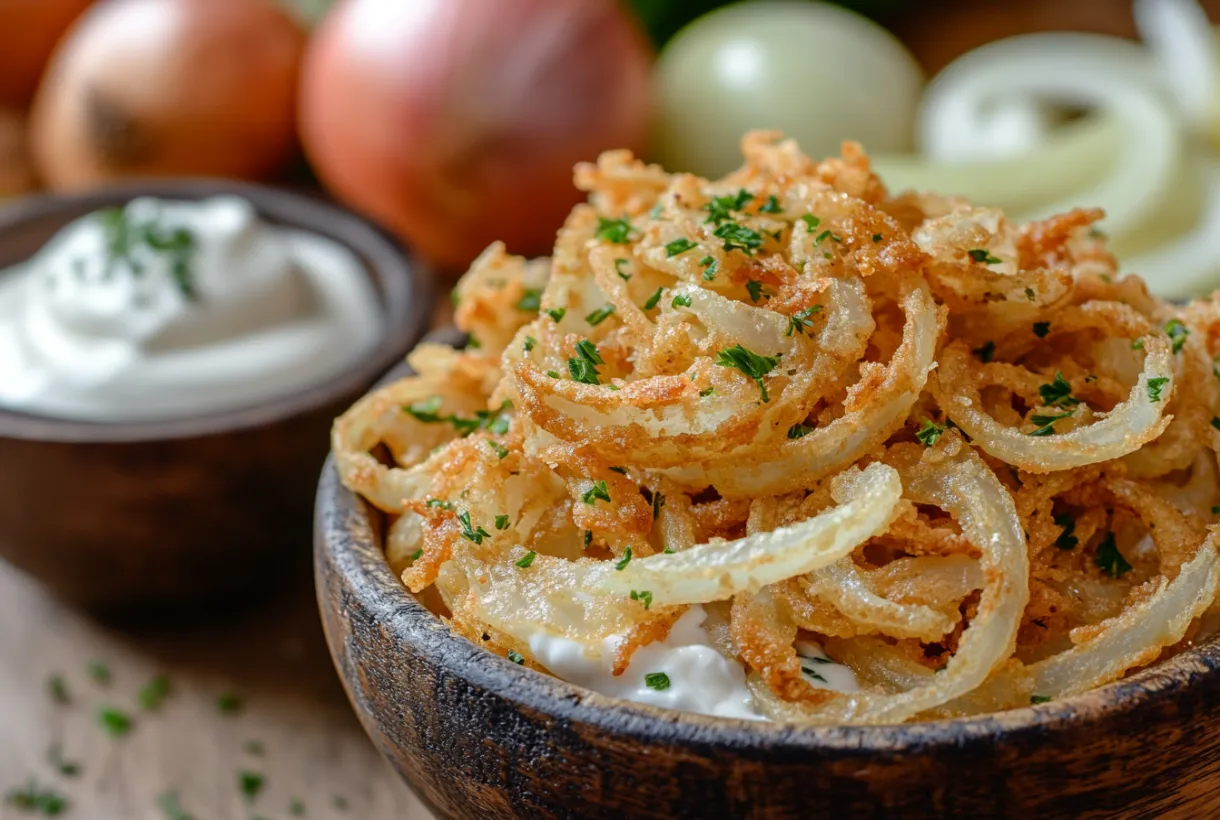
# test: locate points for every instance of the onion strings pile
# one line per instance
(962, 455)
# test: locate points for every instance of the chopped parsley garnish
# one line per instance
(707, 391)
(799, 431)
(643, 596)
(810, 221)
(427, 412)
(876, 237)
(600, 315)
(171, 808)
(530, 343)
(583, 367)
(749, 363)
(771, 206)
(34, 798)
(296, 808)
(1036, 699)
(556, 314)
(658, 501)
(1067, 539)
(154, 693)
(1155, 386)
(617, 231)
(1045, 425)
(1215, 510)
(501, 522)
(554, 374)
(619, 470)
(652, 300)
(1216, 422)
(626, 559)
(657, 680)
(982, 255)
(415, 556)
(1177, 333)
(1041, 329)
(709, 263)
(68, 768)
(438, 502)
(499, 449)
(123, 236)
(57, 688)
(618, 263)
(1110, 559)
(516, 657)
(828, 234)
(678, 246)
(228, 703)
(114, 722)
(1137, 344)
(531, 301)
(598, 490)
(526, 560)
(721, 208)
(756, 290)
(985, 353)
(470, 533)
(100, 672)
(813, 673)
(1058, 393)
(588, 538)
(800, 320)
(681, 300)
(739, 237)
(1029, 294)
(929, 433)
(250, 783)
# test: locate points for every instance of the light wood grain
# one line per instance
(273, 657)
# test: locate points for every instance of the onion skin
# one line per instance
(29, 30)
(169, 88)
(457, 122)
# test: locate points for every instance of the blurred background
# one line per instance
(455, 123)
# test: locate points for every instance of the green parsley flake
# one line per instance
(739, 237)
(619, 470)
(643, 596)
(800, 320)
(554, 374)
(57, 688)
(1067, 539)
(154, 693)
(1058, 393)
(1177, 333)
(100, 673)
(617, 231)
(114, 722)
(1045, 425)
(757, 291)
(982, 255)
(516, 657)
(681, 300)
(876, 237)
(621, 565)
(437, 502)
(1110, 559)
(828, 234)
(1029, 294)
(721, 208)
(583, 367)
(296, 808)
(600, 315)
(1037, 699)
(598, 490)
(929, 433)
(68, 768)
(501, 522)
(528, 559)
(658, 501)
(530, 343)
(171, 808)
(1155, 386)
(707, 391)
(496, 447)
(228, 703)
(250, 783)
(810, 221)
(1041, 329)
(469, 532)
(556, 314)
(415, 556)
(588, 538)
(1216, 422)
(799, 431)
(749, 363)
(771, 206)
(678, 246)
(657, 680)
(618, 263)
(531, 301)
(711, 265)
(34, 798)
(985, 353)
(653, 300)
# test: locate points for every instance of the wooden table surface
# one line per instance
(272, 656)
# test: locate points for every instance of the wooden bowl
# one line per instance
(190, 511)
(479, 737)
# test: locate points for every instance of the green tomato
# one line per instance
(816, 72)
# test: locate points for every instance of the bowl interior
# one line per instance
(402, 284)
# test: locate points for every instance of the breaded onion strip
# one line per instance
(1125, 429)
(794, 464)
(868, 502)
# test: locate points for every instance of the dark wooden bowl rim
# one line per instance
(351, 541)
(404, 287)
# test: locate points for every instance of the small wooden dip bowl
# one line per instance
(185, 512)
(477, 736)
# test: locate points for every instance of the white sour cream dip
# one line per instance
(697, 677)
(165, 309)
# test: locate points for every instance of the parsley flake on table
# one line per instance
(154, 693)
(100, 672)
(55, 756)
(227, 703)
(171, 808)
(114, 722)
(250, 783)
(57, 688)
(749, 363)
(35, 798)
